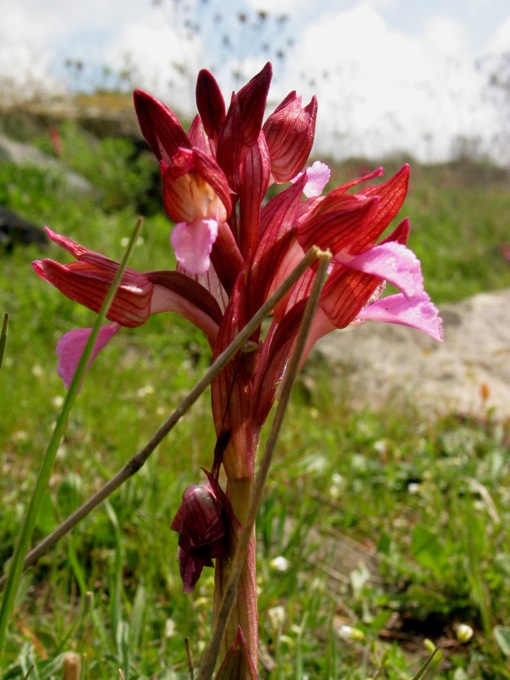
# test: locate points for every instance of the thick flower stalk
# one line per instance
(233, 248)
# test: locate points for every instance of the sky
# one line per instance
(391, 76)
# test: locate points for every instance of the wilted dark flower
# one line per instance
(202, 522)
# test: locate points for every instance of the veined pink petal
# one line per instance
(71, 345)
(193, 243)
(418, 312)
(390, 261)
(317, 175)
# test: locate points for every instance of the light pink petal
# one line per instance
(317, 175)
(193, 243)
(71, 345)
(390, 261)
(418, 312)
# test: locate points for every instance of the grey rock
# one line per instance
(25, 154)
(469, 373)
(15, 230)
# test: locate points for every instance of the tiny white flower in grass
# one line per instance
(170, 628)
(350, 633)
(145, 391)
(57, 401)
(381, 446)
(19, 436)
(37, 371)
(124, 241)
(464, 632)
(277, 616)
(337, 485)
(280, 563)
(62, 452)
(413, 488)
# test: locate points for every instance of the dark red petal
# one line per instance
(345, 293)
(255, 172)
(159, 125)
(340, 222)
(210, 103)
(198, 137)
(289, 132)
(189, 289)
(88, 285)
(401, 233)
(230, 143)
(391, 196)
(252, 100)
(274, 358)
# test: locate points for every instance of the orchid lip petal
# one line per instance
(193, 243)
(418, 312)
(390, 261)
(71, 345)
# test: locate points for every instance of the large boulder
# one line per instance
(380, 364)
(25, 154)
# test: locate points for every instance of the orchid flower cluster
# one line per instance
(234, 245)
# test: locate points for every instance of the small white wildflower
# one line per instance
(280, 563)
(381, 446)
(62, 452)
(464, 632)
(337, 485)
(37, 371)
(276, 616)
(170, 628)
(350, 633)
(19, 436)
(124, 241)
(145, 391)
(57, 401)
(413, 487)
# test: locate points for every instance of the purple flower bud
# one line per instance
(202, 524)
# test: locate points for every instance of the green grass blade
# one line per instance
(3, 337)
(23, 542)
(426, 666)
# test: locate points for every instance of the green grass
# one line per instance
(427, 504)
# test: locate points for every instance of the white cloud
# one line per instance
(377, 86)
(500, 41)
(283, 6)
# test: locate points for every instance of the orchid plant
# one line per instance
(234, 247)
